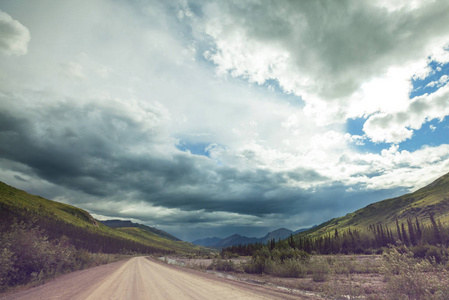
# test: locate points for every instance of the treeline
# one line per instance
(354, 241)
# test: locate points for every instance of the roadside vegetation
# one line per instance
(410, 261)
(419, 272)
(27, 255)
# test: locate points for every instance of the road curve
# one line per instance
(143, 278)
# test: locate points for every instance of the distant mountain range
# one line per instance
(432, 199)
(236, 239)
(124, 224)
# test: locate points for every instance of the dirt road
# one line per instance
(142, 278)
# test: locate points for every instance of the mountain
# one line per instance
(281, 233)
(81, 229)
(236, 239)
(207, 242)
(304, 229)
(431, 199)
(122, 224)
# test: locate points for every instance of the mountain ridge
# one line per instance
(237, 239)
(115, 223)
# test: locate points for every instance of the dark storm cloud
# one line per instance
(93, 162)
(53, 156)
(97, 151)
(81, 147)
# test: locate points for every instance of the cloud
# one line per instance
(73, 70)
(399, 126)
(394, 168)
(324, 53)
(14, 37)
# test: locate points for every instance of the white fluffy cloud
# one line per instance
(14, 37)
(393, 167)
(398, 126)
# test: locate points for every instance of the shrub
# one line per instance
(7, 260)
(257, 265)
(27, 255)
(293, 268)
(320, 269)
(430, 252)
(412, 278)
(437, 254)
(222, 265)
(260, 262)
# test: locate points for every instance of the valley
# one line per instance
(405, 239)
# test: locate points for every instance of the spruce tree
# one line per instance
(411, 232)
(404, 235)
(436, 230)
(418, 231)
(399, 231)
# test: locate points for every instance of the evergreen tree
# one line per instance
(399, 231)
(404, 235)
(436, 230)
(411, 232)
(291, 242)
(418, 231)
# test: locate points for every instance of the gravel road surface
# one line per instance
(143, 278)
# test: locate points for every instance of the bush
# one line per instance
(431, 253)
(222, 265)
(293, 268)
(412, 278)
(259, 263)
(7, 261)
(27, 255)
(286, 262)
(34, 256)
(320, 269)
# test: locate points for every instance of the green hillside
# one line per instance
(83, 231)
(121, 224)
(432, 199)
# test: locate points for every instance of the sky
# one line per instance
(209, 118)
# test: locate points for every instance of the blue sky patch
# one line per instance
(429, 84)
(194, 148)
(355, 127)
(433, 133)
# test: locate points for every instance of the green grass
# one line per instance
(143, 235)
(432, 199)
